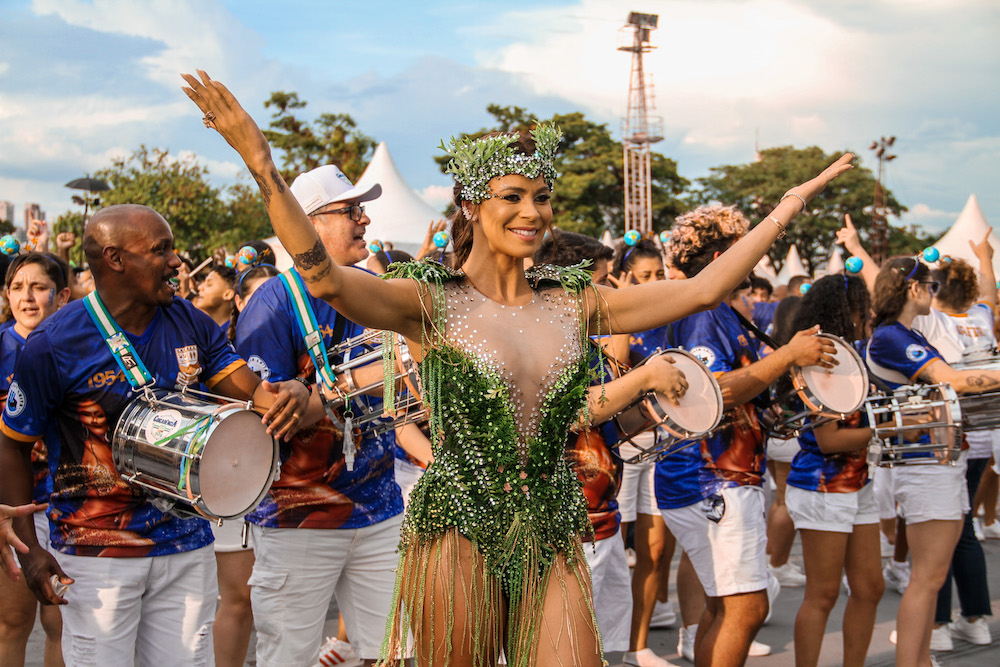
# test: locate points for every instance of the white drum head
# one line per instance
(700, 408)
(842, 388)
(236, 465)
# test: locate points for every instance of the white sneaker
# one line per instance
(773, 589)
(887, 547)
(941, 639)
(847, 585)
(897, 575)
(892, 637)
(992, 531)
(974, 632)
(645, 658)
(788, 575)
(664, 615)
(977, 528)
(758, 650)
(685, 641)
(336, 653)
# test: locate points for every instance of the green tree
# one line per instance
(333, 138)
(176, 188)
(756, 188)
(589, 195)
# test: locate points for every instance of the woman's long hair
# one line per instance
(832, 302)
(891, 286)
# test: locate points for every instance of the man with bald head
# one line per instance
(141, 582)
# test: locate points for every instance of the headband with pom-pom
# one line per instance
(441, 240)
(247, 255)
(854, 265)
(231, 261)
(375, 246)
(9, 245)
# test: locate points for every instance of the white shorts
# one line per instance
(831, 512)
(407, 476)
(298, 571)
(782, 450)
(931, 492)
(159, 609)
(884, 497)
(728, 555)
(637, 494)
(229, 536)
(612, 590)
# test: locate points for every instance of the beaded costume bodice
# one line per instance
(527, 348)
(504, 384)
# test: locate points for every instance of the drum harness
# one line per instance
(308, 328)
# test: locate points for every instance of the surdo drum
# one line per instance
(197, 457)
(698, 413)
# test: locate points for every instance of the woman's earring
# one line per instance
(467, 213)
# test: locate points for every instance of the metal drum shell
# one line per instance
(886, 453)
(156, 469)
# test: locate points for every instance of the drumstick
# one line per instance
(200, 267)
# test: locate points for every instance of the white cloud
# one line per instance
(437, 196)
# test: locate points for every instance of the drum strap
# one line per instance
(118, 343)
(306, 319)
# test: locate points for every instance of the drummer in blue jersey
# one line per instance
(932, 498)
(329, 525)
(830, 497)
(140, 582)
(710, 495)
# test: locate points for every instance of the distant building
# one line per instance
(32, 212)
(7, 211)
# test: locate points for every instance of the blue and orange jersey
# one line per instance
(68, 390)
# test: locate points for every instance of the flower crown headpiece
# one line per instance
(475, 161)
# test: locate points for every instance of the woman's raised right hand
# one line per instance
(224, 114)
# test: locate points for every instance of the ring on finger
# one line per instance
(209, 118)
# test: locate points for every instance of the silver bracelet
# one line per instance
(797, 196)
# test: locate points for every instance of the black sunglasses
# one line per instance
(354, 211)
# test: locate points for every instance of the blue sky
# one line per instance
(84, 80)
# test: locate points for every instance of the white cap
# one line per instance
(326, 185)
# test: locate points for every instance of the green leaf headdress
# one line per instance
(475, 161)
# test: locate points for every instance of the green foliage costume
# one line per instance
(504, 385)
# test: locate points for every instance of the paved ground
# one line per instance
(778, 633)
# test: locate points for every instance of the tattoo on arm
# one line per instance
(981, 381)
(279, 183)
(312, 257)
(319, 275)
(265, 189)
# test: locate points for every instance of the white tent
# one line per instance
(400, 215)
(971, 225)
(836, 262)
(792, 267)
(607, 239)
(765, 269)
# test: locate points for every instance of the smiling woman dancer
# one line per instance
(491, 553)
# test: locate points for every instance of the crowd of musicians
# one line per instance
(121, 575)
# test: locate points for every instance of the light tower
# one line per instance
(639, 130)
(880, 223)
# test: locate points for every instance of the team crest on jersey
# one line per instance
(15, 400)
(706, 355)
(188, 368)
(259, 366)
(916, 352)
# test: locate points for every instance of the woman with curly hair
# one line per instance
(830, 498)
(491, 555)
(934, 498)
(960, 326)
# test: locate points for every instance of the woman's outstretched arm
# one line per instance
(361, 297)
(644, 307)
